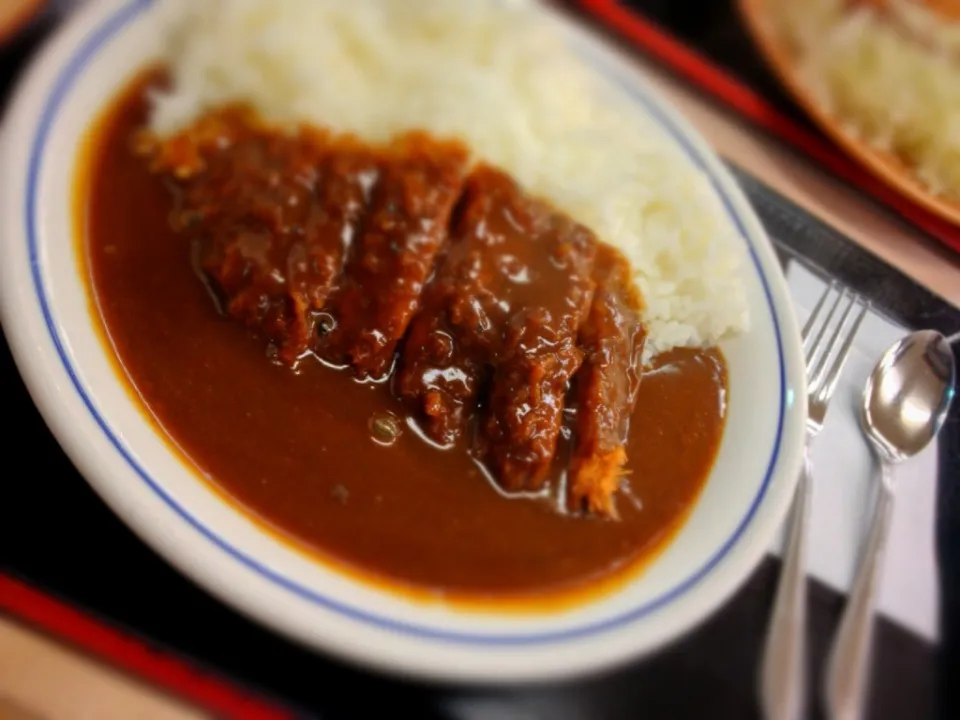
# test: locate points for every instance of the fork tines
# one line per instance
(825, 359)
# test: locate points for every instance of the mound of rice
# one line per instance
(498, 75)
(890, 74)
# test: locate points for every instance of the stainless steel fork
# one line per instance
(783, 669)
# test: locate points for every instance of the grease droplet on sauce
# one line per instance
(385, 429)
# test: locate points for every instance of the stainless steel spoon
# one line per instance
(904, 405)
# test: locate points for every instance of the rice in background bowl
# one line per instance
(889, 72)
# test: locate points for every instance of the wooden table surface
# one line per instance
(39, 678)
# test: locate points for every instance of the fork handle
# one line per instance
(783, 669)
(848, 667)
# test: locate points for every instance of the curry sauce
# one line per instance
(304, 452)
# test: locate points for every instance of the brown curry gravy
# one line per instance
(295, 450)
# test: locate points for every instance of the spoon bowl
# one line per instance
(908, 394)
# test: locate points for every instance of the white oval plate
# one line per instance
(48, 322)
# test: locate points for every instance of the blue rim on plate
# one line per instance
(62, 86)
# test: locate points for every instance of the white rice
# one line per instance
(496, 75)
(891, 78)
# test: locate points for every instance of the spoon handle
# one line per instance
(849, 663)
(783, 670)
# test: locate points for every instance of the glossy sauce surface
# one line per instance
(297, 450)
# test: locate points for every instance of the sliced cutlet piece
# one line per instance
(612, 340)
(272, 216)
(552, 295)
(458, 332)
(394, 256)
